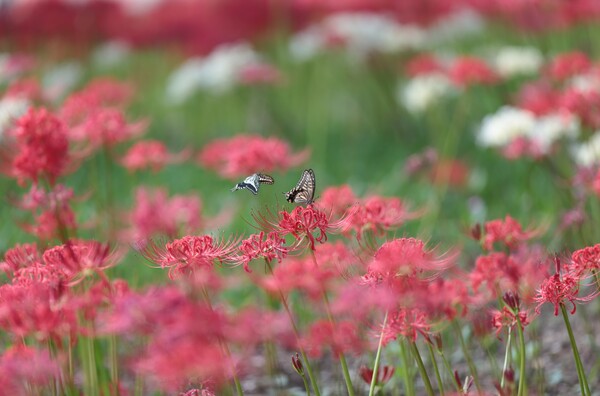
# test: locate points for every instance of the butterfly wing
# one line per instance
(304, 192)
(251, 183)
(265, 179)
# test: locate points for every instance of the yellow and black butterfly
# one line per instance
(252, 183)
(304, 192)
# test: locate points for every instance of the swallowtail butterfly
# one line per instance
(304, 192)
(252, 183)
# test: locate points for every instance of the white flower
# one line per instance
(588, 153)
(514, 61)
(60, 80)
(550, 128)
(11, 108)
(586, 82)
(216, 73)
(110, 54)
(509, 123)
(368, 32)
(502, 127)
(361, 33)
(421, 92)
(307, 44)
(458, 24)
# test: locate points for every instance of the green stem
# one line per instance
(114, 367)
(522, 380)
(438, 377)
(377, 358)
(506, 357)
(449, 370)
(236, 381)
(406, 373)
(341, 356)
(465, 350)
(424, 376)
(309, 370)
(585, 388)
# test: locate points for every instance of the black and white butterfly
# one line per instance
(304, 192)
(252, 183)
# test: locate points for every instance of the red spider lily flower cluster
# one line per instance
(507, 232)
(78, 259)
(150, 154)
(341, 337)
(52, 212)
(521, 270)
(375, 214)
(510, 315)
(567, 65)
(561, 288)
(302, 223)
(407, 323)
(300, 275)
(402, 259)
(469, 70)
(270, 248)
(584, 261)
(95, 116)
(337, 200)
(41, 147)
(157, 213)
(180, 346)
(189, 254)
(22, 366)
(247, 154)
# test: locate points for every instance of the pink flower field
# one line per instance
(262, 197)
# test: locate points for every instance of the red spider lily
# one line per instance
(27, 89)
(523, 147)
(560, 288)
(341, 337)
(406, 322)
(97, 297)
(338, 257)
(569, 64)
(384, 374)
(151, 154)
(155, 213)
(23, 368)
(299, 274)
(522, 270)
(362, 304)
(423, 64)
(20, 256)
(78, 259)
(404, 258)
(107, 127)
(539, 97)
(508, 232)
(270, 248)
(54, 217)
(376, 214)
(181, 348)
(583, 103)
(198, 392)
(467, 70)
(336, 200)
(302, 222)
(189, 254)
(440, 297)
(255, 74)
(36, 310)
(585, 260)
(100, 93)
(510, 315)
(41, 147)
(247, 154)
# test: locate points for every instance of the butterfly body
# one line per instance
(304, 191)
(252, 183)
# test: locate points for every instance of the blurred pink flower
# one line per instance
(23, 368)
(469, 70)
(568, 64)
(244, 155)
(150, 154)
